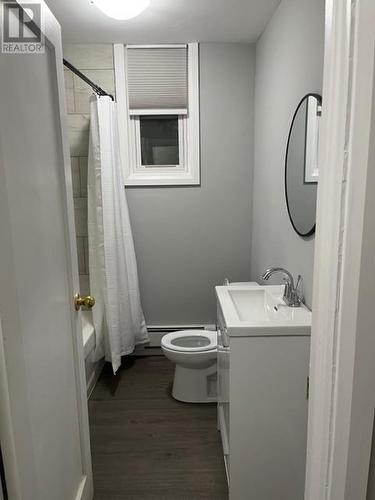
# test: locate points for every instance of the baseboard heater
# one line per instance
(153, 347)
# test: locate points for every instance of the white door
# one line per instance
(342, 376)
(43, 415)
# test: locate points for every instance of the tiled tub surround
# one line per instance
(96, 62)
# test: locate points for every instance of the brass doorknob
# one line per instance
(87, 301)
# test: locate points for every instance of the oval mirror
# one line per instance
(301, 165)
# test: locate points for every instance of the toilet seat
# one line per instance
(194, 354)
(190, 341)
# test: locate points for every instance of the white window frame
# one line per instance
(188, 170)
(135, 138)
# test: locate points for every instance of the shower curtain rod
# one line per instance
(98, 90)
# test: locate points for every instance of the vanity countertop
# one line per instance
(260, 311)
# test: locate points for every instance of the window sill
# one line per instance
(184, 178)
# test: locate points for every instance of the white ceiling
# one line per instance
(166, 21)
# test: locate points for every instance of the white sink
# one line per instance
(260, 310)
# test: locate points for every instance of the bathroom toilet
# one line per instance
(194, 353)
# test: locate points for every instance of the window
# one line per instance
(159, 140)
(158, 97)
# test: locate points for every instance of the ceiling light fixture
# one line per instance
(121, 9)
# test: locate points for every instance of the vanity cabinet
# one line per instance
(262, 412)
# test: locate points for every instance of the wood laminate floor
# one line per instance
(145, 445)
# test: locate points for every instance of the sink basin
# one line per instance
(260, 310)
(255, 305)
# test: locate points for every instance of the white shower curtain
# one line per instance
(117, 315)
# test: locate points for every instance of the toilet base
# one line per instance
(192, 385)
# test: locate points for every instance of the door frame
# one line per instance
(341, 410)
(51, 30)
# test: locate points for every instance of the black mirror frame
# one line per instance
(312, 230)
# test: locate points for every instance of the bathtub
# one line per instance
(92, 368)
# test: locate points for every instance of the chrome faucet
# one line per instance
(291, 297)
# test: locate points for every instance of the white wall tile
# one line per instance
(104, 78)
(82, 102)
(68, 79)
(78, 130)
(96, 62)
(76, 176)
(83, 175)
(84, 283)
(69, 100)
(80, 212)
(89, 56)
(86, 250)
(81, 255)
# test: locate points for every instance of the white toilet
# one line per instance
(195, 354)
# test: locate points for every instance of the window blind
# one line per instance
(157, 79)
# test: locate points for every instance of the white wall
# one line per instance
(289, 64)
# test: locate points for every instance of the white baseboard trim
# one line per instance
(81, 489)
(91, 383)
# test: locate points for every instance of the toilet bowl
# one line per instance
(194, 353)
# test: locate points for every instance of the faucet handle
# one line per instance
(288, 291)
(297, 292)
(298, 288)
(299, 280)
(292, 295)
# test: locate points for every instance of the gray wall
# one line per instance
(188, 239)
(289, 64)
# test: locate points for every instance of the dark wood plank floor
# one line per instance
(145, 445)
